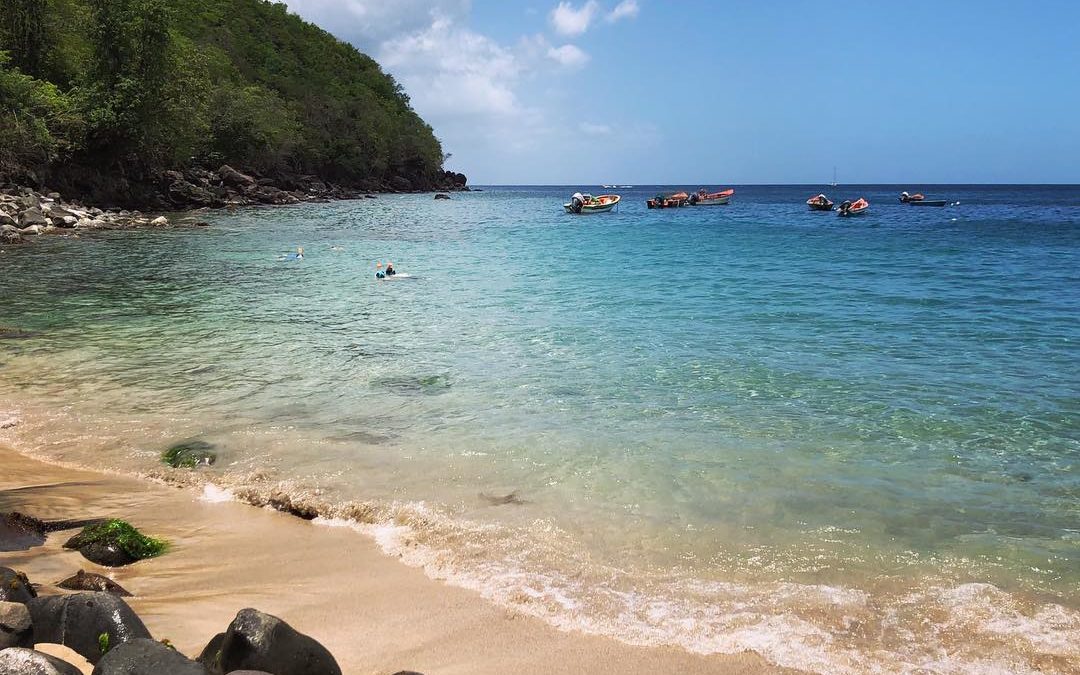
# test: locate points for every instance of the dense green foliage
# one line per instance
(134, 87)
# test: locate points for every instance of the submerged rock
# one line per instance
(143, 656)
(88, 623)
(442, 196)
(15, 587)
(89, 581)
(30, 662)
(258, 641)
(15, 627)
(114, 543)
(190, 454)
(20, 532)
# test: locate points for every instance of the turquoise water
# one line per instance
(844, 443)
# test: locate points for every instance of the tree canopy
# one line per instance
(130, 88)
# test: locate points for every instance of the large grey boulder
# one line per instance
(259, 641)
(15, 627)
(147, 657)
(32, 216)
(6, 219)
(231, 176)
(9, 234)
(79, 621)
(20, 661)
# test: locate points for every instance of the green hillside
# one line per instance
(100, 96)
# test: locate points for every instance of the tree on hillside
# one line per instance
(23, 29)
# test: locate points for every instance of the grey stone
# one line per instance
(32, 216)
(78, 621)
(18, 661)
(15, 627)
(258, 641)
(142, 656)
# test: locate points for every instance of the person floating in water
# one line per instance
(379, 274)
(390, 271)
(299, 255)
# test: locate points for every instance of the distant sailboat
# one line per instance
(833, 183)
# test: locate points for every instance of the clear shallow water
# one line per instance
(846, 444)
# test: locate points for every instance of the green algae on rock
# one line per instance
(114, 543)
(190, 454)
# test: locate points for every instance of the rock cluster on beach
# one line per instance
(98, 624)
(25, 213)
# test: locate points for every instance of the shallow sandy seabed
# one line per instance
(373, 613)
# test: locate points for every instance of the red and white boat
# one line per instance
(820, 203)
(855, 208)
(703, 198)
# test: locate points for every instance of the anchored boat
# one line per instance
(820, 203)
(668, 201)
(853, 208)
(918, 199)
(703, 198)
(586, 203)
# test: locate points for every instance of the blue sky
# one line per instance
(642, 91)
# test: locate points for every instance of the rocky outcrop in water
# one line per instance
(115, 543)
(25, 213)
(15, 587)
(89, 581)
(190, 454)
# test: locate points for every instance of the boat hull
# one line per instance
(930, 202)
(719, 201)
(601, 204)
(820, 207)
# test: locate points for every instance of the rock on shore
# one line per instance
(26, 213)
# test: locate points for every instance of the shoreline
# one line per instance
(375, 614)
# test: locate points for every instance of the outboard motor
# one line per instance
(577, 202)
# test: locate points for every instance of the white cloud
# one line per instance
(367, 23)
(568, 55)
(570, 21)
(595, 129)
(627, 9)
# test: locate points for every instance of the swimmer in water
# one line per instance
(390, 271)
(379, 274)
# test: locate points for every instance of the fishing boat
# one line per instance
(918, 199)
(668, 201)
(853, 208)
(586, 203)
(820, 203)
(703, 198)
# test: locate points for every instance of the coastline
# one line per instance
(373, 613)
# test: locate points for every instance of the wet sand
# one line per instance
(373, 613)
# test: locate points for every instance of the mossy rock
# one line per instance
(190, 454)
(114, 543)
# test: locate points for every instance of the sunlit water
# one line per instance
(845, 444)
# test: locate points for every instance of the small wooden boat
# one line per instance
(853, 208)
(820, 203)
(703, 198)
(929, 202)
(668, 201)
(585, 203)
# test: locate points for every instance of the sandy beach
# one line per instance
(373, 613)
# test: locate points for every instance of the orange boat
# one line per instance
(703, 198)
(668, 201)
(819, 203)
(853, 208)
